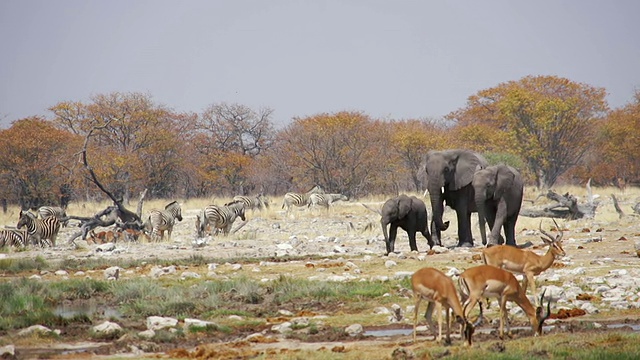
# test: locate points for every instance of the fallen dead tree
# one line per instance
(117, 214)
(566, 207)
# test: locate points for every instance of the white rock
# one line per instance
(188, 323)
(189, 275)
(440, 249)
(390, 263)
(34, 329)
(61, 273)
(354, 330)
(282, 328)
(453, 271)
(147, 334)
(8, 351)
(112, 272)
(381, 310)
(35, 277)
(381, 278)
(106, 247)
(79, 273)
(589, 308)
(159, 322)
(284, 246)
(402, 274)
(107, 328)
(285, 312)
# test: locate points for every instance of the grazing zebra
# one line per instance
(299, 199)
(253, 202)
(60, 213)
(40, 230)
(13, 237)
(161, 220)
(325, 199)
(221, 217)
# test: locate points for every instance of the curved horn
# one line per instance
(539, 311)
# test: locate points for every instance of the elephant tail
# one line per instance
(377, 211)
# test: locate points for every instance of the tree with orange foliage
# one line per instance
(617, 156)
(141, 147)
(37, 161)
(547, 121)
(231, 139)
(411, 140)
(342, 152)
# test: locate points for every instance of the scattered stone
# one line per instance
(354, 330)
(189, 275)
(285, 312)
(147, 334)
(112, 273)
(159, 322)
(188, 323)
(390, 263)
(107, 328)
(34, 329)
(285, 327)
(61, 273)
(106, 247)
(7, 352)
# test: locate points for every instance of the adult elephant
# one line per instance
(408, 213)
(449, 176)
(498, 197)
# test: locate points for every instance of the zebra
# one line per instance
(40, 230)
(60, 213)
(325, 199)
(253, 202)
(14, 237)
(299, 199)
(160, 220)
(220, 217)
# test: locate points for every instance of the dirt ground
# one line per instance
(348, 233)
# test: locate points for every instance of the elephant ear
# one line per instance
(404, 206)
(467, 163)
(504, 180)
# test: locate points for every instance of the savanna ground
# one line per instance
(321, 271)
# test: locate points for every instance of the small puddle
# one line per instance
(388, 332)
(634, 327)
(484, 330)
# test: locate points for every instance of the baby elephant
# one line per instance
(408, 213)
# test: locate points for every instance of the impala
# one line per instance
(487, 281)
(438, 289)
(525, 262)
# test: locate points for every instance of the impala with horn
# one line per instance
(526, 262)
(486, 281)
(437, 288)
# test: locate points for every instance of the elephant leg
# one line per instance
(510, 229)
(499, 220)
(391, 243)
(464, 227)
(491, 221)
(412, 240)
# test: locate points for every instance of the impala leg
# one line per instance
(530, 279)
(439, 310)
(448, 338)
(428, 314)
(415, 316)
(503, 315)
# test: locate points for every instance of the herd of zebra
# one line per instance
(42, 229)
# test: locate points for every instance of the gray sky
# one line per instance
(388, 59)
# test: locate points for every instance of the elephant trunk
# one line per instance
(437, 209)
(479, 200)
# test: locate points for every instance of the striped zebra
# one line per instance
(253, 202)
(221, 217)
(160, 221)
(14, 237)
(40, 231)
(325, 199)
(60, 213)
(297, 199)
